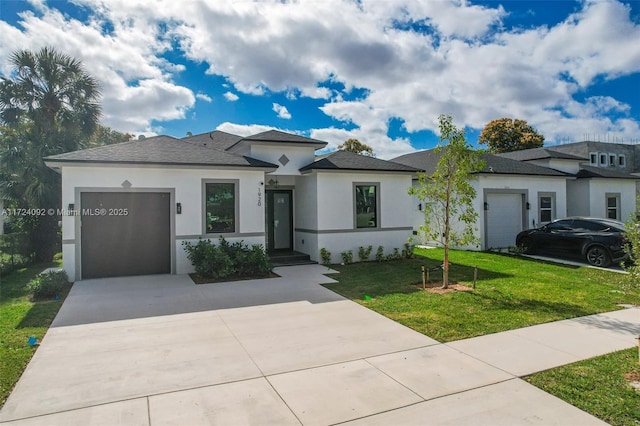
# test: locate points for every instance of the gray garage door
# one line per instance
(504, 219)
(125, 233)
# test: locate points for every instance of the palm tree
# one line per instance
(48, 105)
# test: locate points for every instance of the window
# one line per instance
(366, 205)
(622, 161)
(612, 160)
(546, 207)
(613, 206)
(561, 225)
(593, 158)
(220, 207)
(603, 159)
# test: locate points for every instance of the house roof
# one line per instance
(603, 172)
(282, 137)
(428, 160)
(159, 150)
(540, 154)
(344, 160)
(216, 139)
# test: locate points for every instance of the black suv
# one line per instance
(599, 241)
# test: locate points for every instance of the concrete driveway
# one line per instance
(160, 350)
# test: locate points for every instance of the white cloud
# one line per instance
(231, 97)
(282, 111)
(243, 129)
(203, 97)
(464, 64)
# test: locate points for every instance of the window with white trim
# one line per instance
(612, 160)
(546, 207)
(622, 160)
(613, 206)
(593, 158)
(603, 159)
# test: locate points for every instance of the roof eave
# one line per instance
(56, 164)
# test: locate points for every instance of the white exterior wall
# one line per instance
(562, 164)
(187, 186)
(299, 156)
(530, 186)
(598, 190)
(336, 230)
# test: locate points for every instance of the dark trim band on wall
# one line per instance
(345, 231)
(73, 241)
(214, 236)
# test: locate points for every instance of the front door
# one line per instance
(279, 210)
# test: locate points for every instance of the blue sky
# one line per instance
(377, 70)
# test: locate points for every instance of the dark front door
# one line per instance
(125, 233)
(279, 211)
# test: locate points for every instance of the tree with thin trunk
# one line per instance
(447, 193)
(48, 105)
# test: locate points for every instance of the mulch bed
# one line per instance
(198, 279)
(436, 287)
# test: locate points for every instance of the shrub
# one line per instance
(347, 257)
(395, 255)
(47, 286)
(364, 253)
(407, 251)
(380, 254)
(224, 259)
(325, 255)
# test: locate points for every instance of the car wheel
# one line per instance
(598, 256)
(526, 245)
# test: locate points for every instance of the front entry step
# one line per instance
(290, 258)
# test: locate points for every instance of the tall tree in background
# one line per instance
(48, 105)
(357, 147)
(507, 134)
(447, 193)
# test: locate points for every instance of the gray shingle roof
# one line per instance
(216, 139)
(159, 150)
(427, 161)
(344, 160)
(601, 172)
(278, 136)
(539, 154)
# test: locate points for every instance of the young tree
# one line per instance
(48, 105)
(632, 233)
(447, 193)
(506, 135)
(357, 147)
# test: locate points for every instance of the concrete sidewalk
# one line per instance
(163, 351)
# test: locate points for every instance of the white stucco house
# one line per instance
(529, 188)
(129, 207)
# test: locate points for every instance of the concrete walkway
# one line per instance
(162, 351)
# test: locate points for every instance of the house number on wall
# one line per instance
(259, 197)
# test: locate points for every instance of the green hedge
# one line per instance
(14, 251)
(226, 259)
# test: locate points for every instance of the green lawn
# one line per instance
(19, 319)
(597, 386)
(511, 292)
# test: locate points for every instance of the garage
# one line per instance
(504, 215)
(125, 233)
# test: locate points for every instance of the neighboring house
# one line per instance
(131, 205)
(600, 191)
(511, 196)
(526, 189)
(624, 158)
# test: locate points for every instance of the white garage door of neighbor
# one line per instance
(504, 219)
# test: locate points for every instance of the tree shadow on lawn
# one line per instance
(407, 281)
(41, 314)
(504, 302)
